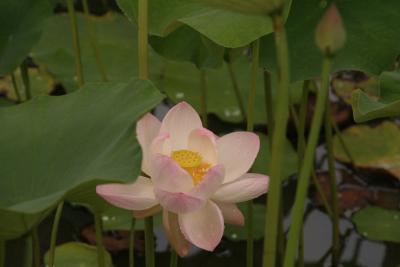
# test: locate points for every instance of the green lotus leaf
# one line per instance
(75, 254)
(371, 147)
(373, 35)
(378, 224)
(388, 105)
(21, 24)
(61, 147)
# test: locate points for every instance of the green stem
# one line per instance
(75, 41)
(2, 252)
(16, 90)
(142, 39)
(132, 243)
(174, 259)
(278, 143)
(93, 41)
(342, 143)
(269, 106)
(26, 80)
(321, 192)
(332, 176)
(149, 241)
(99, 239)
(236, 89)
(250, 127)
(54, 231)
(36, 247)
(203, 97)
(308, 159)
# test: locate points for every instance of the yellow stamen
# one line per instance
(192, 162)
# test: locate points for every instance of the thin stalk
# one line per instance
(149, 241)
(269, 106)
(236, 89)
(54, 231)
(308, 159)
(278, 143)
(250, 127)
(75, 42)
(342, 143)
(36, 247)
(203, 96)
(174, 259)
(2, 252)
(99, 239)
(93, 41)
(321, 192)
(132, 243)
(26, 80)
(334, 198)
(15, 86)
(142, 40)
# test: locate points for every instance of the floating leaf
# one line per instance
(75, 254)
(21, 24)
(367, 23)
(372, 147)
(224, 27)
(378, 224)
(63, 146)
(388, 105)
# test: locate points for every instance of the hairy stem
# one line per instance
(36, 247)
(149, 241)
(174, 259)
(26, 80)
(132, 243)
(269, 106)
(15, 86)
(54, 231)
(236, 89)
(99, 239)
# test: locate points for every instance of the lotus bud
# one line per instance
(255, 7)
(330, 35)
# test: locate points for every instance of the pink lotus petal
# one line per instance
(178, 202)
(140, 214)
(212, 180)
(161, 145)
(203, 141)
(179, 122)
(168, 175)
(204, 227)
(147, 129)
(248, 186)
(174, 234)
(231, 213)
(237, 152)
(136, 196)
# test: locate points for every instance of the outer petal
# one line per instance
(212, 180)
(179, 122)
(203, 141)
(140, 214)
(161, 145)
(174, 234)
(237, 152)
(178, 202)
(204, 227)
(248, 186)
(136, 196)
(169, 176)
(147, 128)
(231, 213)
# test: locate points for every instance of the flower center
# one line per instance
(192, 162)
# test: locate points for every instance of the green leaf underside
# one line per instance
(21, 23)
(371, 46)
(226, 28)
(388, 105)
(372, 147)
(74, 254)
(57, 147)
(378, 224)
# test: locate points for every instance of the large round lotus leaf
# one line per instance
(55, 147)
(226, 28)
(117, 43)
(21, 23)
(372, 147)
(373, 37)
(75, 254)
(388, 105)
(181, 81)
(378, 224)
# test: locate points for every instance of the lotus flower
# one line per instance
(195, 178)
